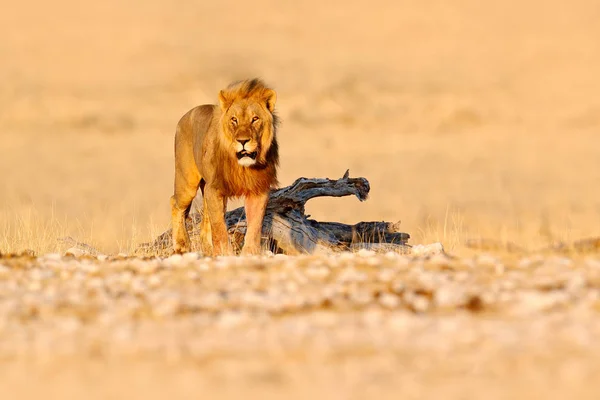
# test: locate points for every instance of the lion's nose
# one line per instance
(243, 141)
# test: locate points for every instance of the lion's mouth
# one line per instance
(244, 153)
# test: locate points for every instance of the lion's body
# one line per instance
(227, 151)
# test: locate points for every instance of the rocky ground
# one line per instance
(353, 325)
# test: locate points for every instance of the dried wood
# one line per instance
(286, 228)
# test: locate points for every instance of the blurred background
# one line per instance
(470, 119)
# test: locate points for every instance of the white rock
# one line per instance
(592, 263)
(576, 283)
(138, 285)
(346, 256)
(317, 272)
(389, 300)
(167, 306)
(386, 275)
(528, 262)
(366, 253)
(173, 260)
(210, 301)
(361, 297)
(427, 250)
(351, 275)
(398, 286)
(223, 263)
(95, 283)
(145, 267)
(38, 274)
(291, 286)
(462, 276)
(90, 268)
(154, 281)
(533, 302)
(76, 252)
(448, 297)
(190, 257)
(51, 257)
(193, 275)
(421, 303)
(203, 266)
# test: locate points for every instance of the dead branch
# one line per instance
(286, 229)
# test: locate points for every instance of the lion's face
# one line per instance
(248, 126)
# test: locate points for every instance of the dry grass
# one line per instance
(115, 203)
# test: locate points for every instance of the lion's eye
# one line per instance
(254, 119)
(234, 120)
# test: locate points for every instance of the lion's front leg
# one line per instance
(255, 212)
(181, 239)
(205, 233)
(214, 208)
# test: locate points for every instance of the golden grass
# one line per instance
(32, 229)
(29, 229)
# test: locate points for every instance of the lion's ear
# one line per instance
(223, 100)
(270, 98)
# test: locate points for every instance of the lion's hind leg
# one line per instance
(181, 202)
(205, 232)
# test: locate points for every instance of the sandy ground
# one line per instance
(352, 326)
(470, 119)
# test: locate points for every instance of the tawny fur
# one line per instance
(206, 158)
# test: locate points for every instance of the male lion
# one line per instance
(229, 150)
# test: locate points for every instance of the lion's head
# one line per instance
(248, 121)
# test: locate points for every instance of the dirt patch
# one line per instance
(350, 325)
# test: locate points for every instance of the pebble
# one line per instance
(346, 256)
(358, 298)
(173, 260)
(366, 253)
(427, 250)
(389, 300)
(51, 257)
(449, 297)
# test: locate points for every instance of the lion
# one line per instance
(227, 150)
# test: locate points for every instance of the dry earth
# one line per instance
(351, 326)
